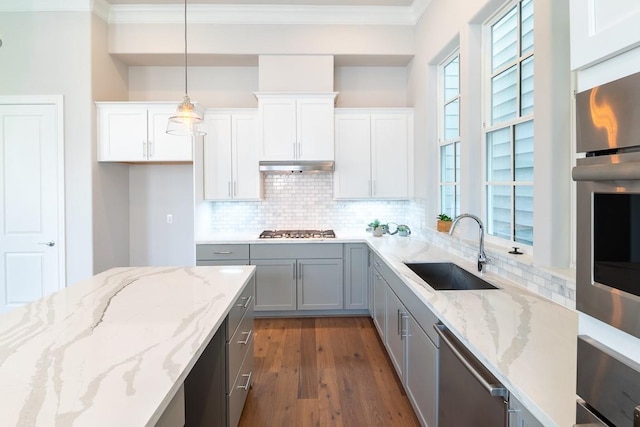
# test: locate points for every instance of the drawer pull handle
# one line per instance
(246, 341)
(223, 253)
(248, 383)
(247, 301)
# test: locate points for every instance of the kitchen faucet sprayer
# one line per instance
(482, 257)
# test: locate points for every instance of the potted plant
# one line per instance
(376, 228)
(444, 223)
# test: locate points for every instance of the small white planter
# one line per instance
(378, 231)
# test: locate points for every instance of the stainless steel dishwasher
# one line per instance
(469, 394)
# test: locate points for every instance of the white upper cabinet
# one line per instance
(352, 176)
(601, 29)
(373, 154)
(231, 156)
(296, 126)
(136, 132)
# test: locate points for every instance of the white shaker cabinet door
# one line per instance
(136, 132)
(245, 158)
(315, 129)
(122, 133)
(217, 157)
(352, 176)
(277, 132)
(390, 166)
(162, 146)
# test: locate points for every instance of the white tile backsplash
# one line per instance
(303, 201)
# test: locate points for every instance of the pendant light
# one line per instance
(187, 119)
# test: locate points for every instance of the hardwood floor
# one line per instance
(330, 371)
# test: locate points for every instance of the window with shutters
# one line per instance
(449, 134)
(508, 126)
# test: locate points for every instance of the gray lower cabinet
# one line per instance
(379, 304)
(356, 276)
(395, 340)
(217, 386)
(298, 276)
(320, 284)
(275, 284)
(519, 416)
(422, 373)
(222, 254)
(413, 352)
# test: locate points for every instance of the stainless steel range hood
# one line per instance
(296, 166)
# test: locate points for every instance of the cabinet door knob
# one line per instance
(50, 243)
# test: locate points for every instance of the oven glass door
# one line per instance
(608, 239)
(616, 241)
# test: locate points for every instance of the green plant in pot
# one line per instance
(376, 228)
(444, 222)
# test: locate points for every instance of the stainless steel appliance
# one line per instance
(608, 203)
(298, 234)
(609, 383)
(608, 248)
(469, 394)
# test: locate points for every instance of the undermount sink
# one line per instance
(447, 276)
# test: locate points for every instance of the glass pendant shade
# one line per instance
(186, 121)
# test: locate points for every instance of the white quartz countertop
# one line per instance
(114, 349)
(528, 342)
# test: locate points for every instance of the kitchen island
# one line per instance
(114, 349)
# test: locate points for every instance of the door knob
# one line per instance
(50, 243)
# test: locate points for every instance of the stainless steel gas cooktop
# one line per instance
(297, 234)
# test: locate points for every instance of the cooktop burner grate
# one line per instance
(297, 234)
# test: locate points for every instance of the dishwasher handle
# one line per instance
(494, 389)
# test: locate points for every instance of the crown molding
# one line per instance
(261, 14)
(228, 13)
(46, 6)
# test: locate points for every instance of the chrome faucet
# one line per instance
(482, 257)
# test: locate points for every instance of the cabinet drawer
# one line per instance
(205, 262)
(296, 250)
(221, 252)
(238, 394)
(239, 346)
(244, 304)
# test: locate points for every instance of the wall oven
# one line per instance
(608, 239)
(608, 203)
(608, 247)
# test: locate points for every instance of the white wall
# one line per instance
(371, 86)
(225, 87)
(48, 53)
(155, 192)
(220, 39)
(109, 80)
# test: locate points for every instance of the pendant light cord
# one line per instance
(185, 48)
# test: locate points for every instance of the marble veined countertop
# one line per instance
(528, 342)
(111, 350)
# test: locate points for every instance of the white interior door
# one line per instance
(31, 250)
